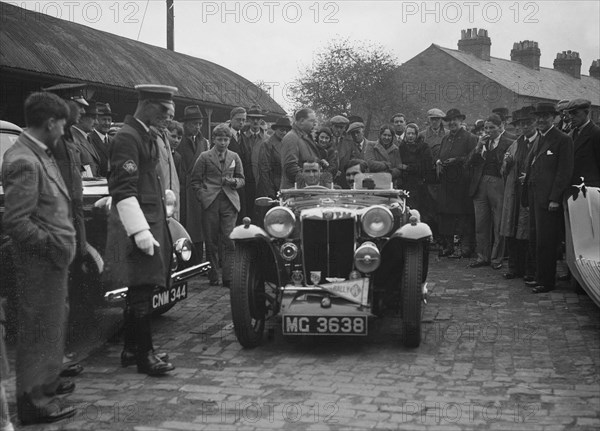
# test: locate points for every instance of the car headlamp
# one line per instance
(183, 248)
(279, 222)
(377, 221)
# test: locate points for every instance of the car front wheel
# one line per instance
(248, 299)
(412, 295)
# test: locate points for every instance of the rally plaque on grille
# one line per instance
(324, 325)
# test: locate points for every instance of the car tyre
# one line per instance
(248, 307)
(411, 293)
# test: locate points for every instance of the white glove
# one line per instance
(145, 241)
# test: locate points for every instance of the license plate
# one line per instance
(324, 325)
(169, 296)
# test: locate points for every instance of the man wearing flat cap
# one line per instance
(192, 145)
(87, 152)
(139, 250)
(432, 136)
(586, 143)
(99, 136)
(252, 140)
(564, 123)
(269, 159)
(549, 169)
(346, 144)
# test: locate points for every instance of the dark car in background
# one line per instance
(93, 292)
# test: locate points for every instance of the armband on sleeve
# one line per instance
(131, 216)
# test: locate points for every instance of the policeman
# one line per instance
(138, 243)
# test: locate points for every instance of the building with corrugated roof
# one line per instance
(39, 51)
(470, 79)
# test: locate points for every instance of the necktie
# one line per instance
(106, 140)
(575, 133)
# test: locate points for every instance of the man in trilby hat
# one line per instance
(192, 145)
(99, 137)
(87, 152)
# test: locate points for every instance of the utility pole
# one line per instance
(170, 26)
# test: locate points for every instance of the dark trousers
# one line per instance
(521, 256)
(42, 308)
(458, 224)
(547, 228)
(488, 213)
(138, 313)
(219, 220)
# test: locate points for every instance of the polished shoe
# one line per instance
(128, 358)
(541, 289)
(153, 366)
(496, 266)
(527, 278)
(531, 283)
(71, 370)
(65, 387)
(28, 414)
(509, 275)
(478, 264)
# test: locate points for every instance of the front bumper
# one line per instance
(178, 277)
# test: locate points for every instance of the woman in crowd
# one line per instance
(328, 152)
(384, 155)
(417, 162)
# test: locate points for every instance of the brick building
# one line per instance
(470, 79)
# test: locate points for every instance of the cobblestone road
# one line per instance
(494, 356)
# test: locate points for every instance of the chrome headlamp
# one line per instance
(183, 248)
(280, 222)
(377, 221)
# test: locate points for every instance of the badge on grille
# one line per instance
(315, 277)
(297, 277)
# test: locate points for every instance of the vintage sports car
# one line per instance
(582, 222)
(328, 260)
(91, 292)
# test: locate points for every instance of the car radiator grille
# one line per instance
(328, 246)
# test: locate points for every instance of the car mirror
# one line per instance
(264, 201)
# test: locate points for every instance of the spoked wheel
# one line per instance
(411, 293)
(249, 301)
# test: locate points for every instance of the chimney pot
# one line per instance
(568, 62)
(527, 53)
(476, 43)
(595, 69)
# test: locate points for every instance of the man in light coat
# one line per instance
(216, 177)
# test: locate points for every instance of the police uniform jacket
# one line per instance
(133, 174)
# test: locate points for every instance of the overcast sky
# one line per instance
(272, 41)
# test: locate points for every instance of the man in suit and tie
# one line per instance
(237, 119)
(586, 143)
(38, 219)
(87, 152)
(99, 136)
(216, 177)
(487, 191)
(190, 148)
(269, 159)
(549, 172)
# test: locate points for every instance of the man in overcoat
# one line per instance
(190, 148)
(586, 143)
(252, 140)
(549, 172)
(99, 137)
(139, 246)
(87, 152)
(455, 206)
(269, 159)
(514, 226)
(487, 191)
(38, 220)
(297, 146)
(216, 177)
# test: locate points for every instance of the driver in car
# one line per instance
(313, 175)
